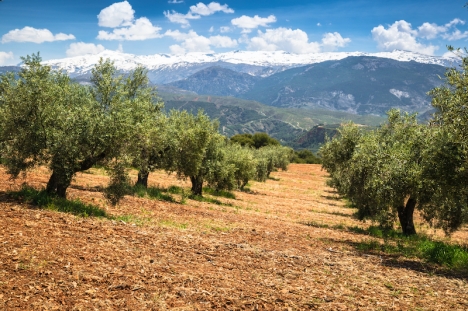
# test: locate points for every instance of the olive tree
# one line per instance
(192, 150)
(271, 158)
(47, 119)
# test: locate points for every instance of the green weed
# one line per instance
(42, 200)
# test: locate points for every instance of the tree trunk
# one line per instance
(197, 185)
(51, 188)
(142, 178)
(58, 185)
(405, 215)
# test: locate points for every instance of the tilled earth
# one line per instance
(254, 254)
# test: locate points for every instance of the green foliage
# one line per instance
(219, 193)
(257, 140)
(381, 172)
(271, 158)
(152, 193)
(119, 185)
(243, 162)
(43, 200)
(305, 157)
(450, 255)
(49, 120)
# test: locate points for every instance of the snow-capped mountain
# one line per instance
(165, 68)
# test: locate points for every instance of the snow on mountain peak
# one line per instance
(165, 62)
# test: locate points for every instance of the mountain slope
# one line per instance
(218, 81)
(362, 85)
(242, 116)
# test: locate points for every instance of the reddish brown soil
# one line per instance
(254, 255)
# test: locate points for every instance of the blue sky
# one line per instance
(70, 28)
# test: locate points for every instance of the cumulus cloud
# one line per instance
(196, 12)
(400, 35)
(175, 1)
(5, 56)
(455, 35)
(120, 16)
(182, 19)
(213, 7)
(247, 23)
(81, 48)
(333, 41)
(294, 41)
(30, 34)
(141, 29)
(117, 14)
(192, 42)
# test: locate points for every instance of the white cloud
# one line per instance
(455, 35)
(30, 34)
(332, 41)
(247, 23)
(120, 48)
(430, 30)
(294, 41)
(120, 16)
(141, 29)
(319, 25)
(196, 12)
(5, 56)
(225, 29)
(211, 29)
(192, 42)
(213, 7)
(117, 14)
(81, 48)
(179, 18)
(400, 35)
(223, 42)
(175, 1)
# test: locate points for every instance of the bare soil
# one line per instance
(255, 254)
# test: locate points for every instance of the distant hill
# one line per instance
(242, 116)
(315, 137)
(362, 85)
(357, 84)
(217, 81)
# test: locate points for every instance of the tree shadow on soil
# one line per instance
(39, 200)
(398, 261)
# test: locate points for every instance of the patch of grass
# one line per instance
(42, 200)
(132, 219)
(316, 224)
(200, 198)
(152, 193)
(219, 193)
(175, 190)
(173, 224)
(420, 246)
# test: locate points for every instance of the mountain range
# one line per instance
(166, 68)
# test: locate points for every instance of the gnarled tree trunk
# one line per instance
(197, 185)
(405, 215)
(142, 178)
(58, 184)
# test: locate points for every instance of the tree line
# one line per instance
(405, 166)
(117, 122)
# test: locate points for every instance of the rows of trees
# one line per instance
(117, 122)
(404, 166)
